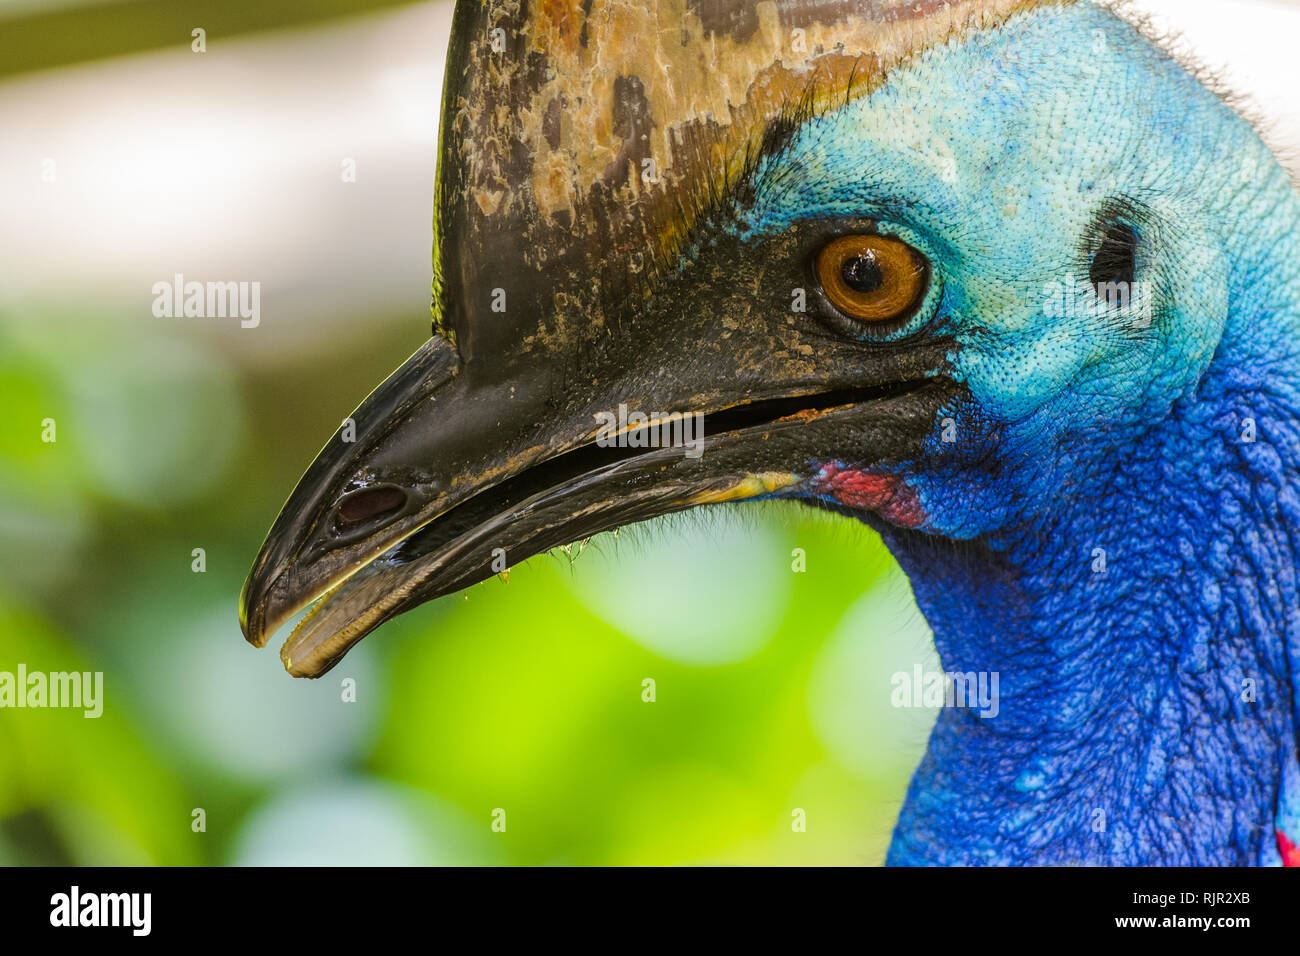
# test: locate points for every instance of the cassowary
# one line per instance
(1001, 278)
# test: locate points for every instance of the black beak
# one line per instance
(570, 283)
(460, 470)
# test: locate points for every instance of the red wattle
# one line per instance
(887, 495)
(1289, 850)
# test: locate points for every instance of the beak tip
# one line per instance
(252, 635)
(307, 666)
(252, 615)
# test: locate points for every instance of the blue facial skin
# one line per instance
(1147, 713)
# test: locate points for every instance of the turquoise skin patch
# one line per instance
(1115, 526)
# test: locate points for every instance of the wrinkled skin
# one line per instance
(1147, 711)
(1102, 508)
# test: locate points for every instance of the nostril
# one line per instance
(370, 503)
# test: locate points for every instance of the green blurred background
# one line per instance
(125, 158)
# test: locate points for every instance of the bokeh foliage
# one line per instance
(525, 695)
(771, 686)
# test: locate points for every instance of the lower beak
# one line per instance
(456, 474)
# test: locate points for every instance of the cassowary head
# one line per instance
(999, 277)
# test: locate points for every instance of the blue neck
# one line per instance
(1147, 713)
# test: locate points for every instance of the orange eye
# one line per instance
(872, 278)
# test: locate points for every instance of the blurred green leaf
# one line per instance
(106, 793)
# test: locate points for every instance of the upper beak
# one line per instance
(456, 470)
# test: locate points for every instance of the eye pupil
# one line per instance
(870, 278)
(862, 273)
